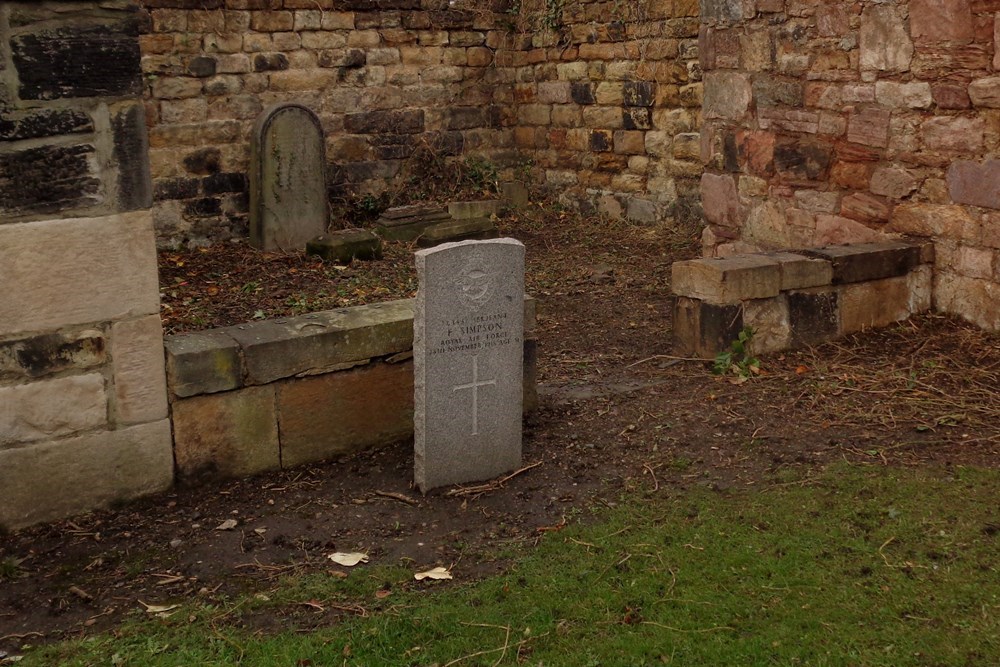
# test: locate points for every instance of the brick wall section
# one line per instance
(839, 122)
(385, 78)
(607, 104)
(83, 405)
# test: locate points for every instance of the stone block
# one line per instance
(78, 61)
(970, 298)
(107, 271)
(814, 316)
(769, 320)
(954, 134)
(727, 94)
(801, 271)
(458, 230)
(985, 92)
(486, 208)
(344, 245)
(974, 183)
(874, 303)
(720, 200)
(48, 179)
(232, 434)
(139, 378)
(728, 280)
(868, 261)
(57, 479)
(328, 415)
(934, 21)
(703, 329)
(276, 349)
(953, 222)
(38, 356)
(410, 226)
(885, 44)
(51, 408)
(529, 389)
(202, 363)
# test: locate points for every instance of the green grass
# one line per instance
(857, 566)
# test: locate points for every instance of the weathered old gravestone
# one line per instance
(468, 330)
(288, 200)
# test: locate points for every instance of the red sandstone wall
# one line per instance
(835, 122)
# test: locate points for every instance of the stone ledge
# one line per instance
(258, 353)
(797, 298)
(299, 390)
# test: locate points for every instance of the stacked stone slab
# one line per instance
(848, 122)
(430, 225)
(800, 298)
(83, 406)
(281, 393)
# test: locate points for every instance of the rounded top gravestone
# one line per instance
(288, 198)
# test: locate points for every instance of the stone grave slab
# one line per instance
(288, 199)
(458, 230)
(468, 346)
(345, 245)
(406, 223)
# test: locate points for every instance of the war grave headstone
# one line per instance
(288, 198)
(468, 346)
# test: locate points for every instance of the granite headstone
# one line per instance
(288, 198)
(468, 346)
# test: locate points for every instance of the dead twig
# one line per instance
(480, 489)
(397, 496)
(714, 628)
(665, 356)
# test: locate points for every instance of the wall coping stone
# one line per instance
(761, 275)
(257, 353)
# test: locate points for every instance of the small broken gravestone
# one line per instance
(288, 198)
(468, 344)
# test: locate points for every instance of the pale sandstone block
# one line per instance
(51, 408)
(76, 271)
(729, 280)
(769, 320)
(231, 434)
(877, 303)
(973, 299)
(139, 377)
(56, 479)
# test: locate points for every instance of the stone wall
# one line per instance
(83, 406)
(607, 99)
(281, 393)
(836, 122)
(386, 79)
(795, 299)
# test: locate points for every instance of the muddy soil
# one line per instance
(619, 415)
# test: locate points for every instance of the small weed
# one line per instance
(739, 358)
(10, 568)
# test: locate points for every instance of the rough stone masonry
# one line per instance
(843, 122)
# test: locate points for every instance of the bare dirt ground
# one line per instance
(619, 414)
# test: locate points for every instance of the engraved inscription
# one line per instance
(474, 386)
(472, 333)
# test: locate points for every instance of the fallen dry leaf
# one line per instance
(158, 608)
(436, 573)
(228, 524)
(348, 559)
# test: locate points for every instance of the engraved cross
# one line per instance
(474, 386)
